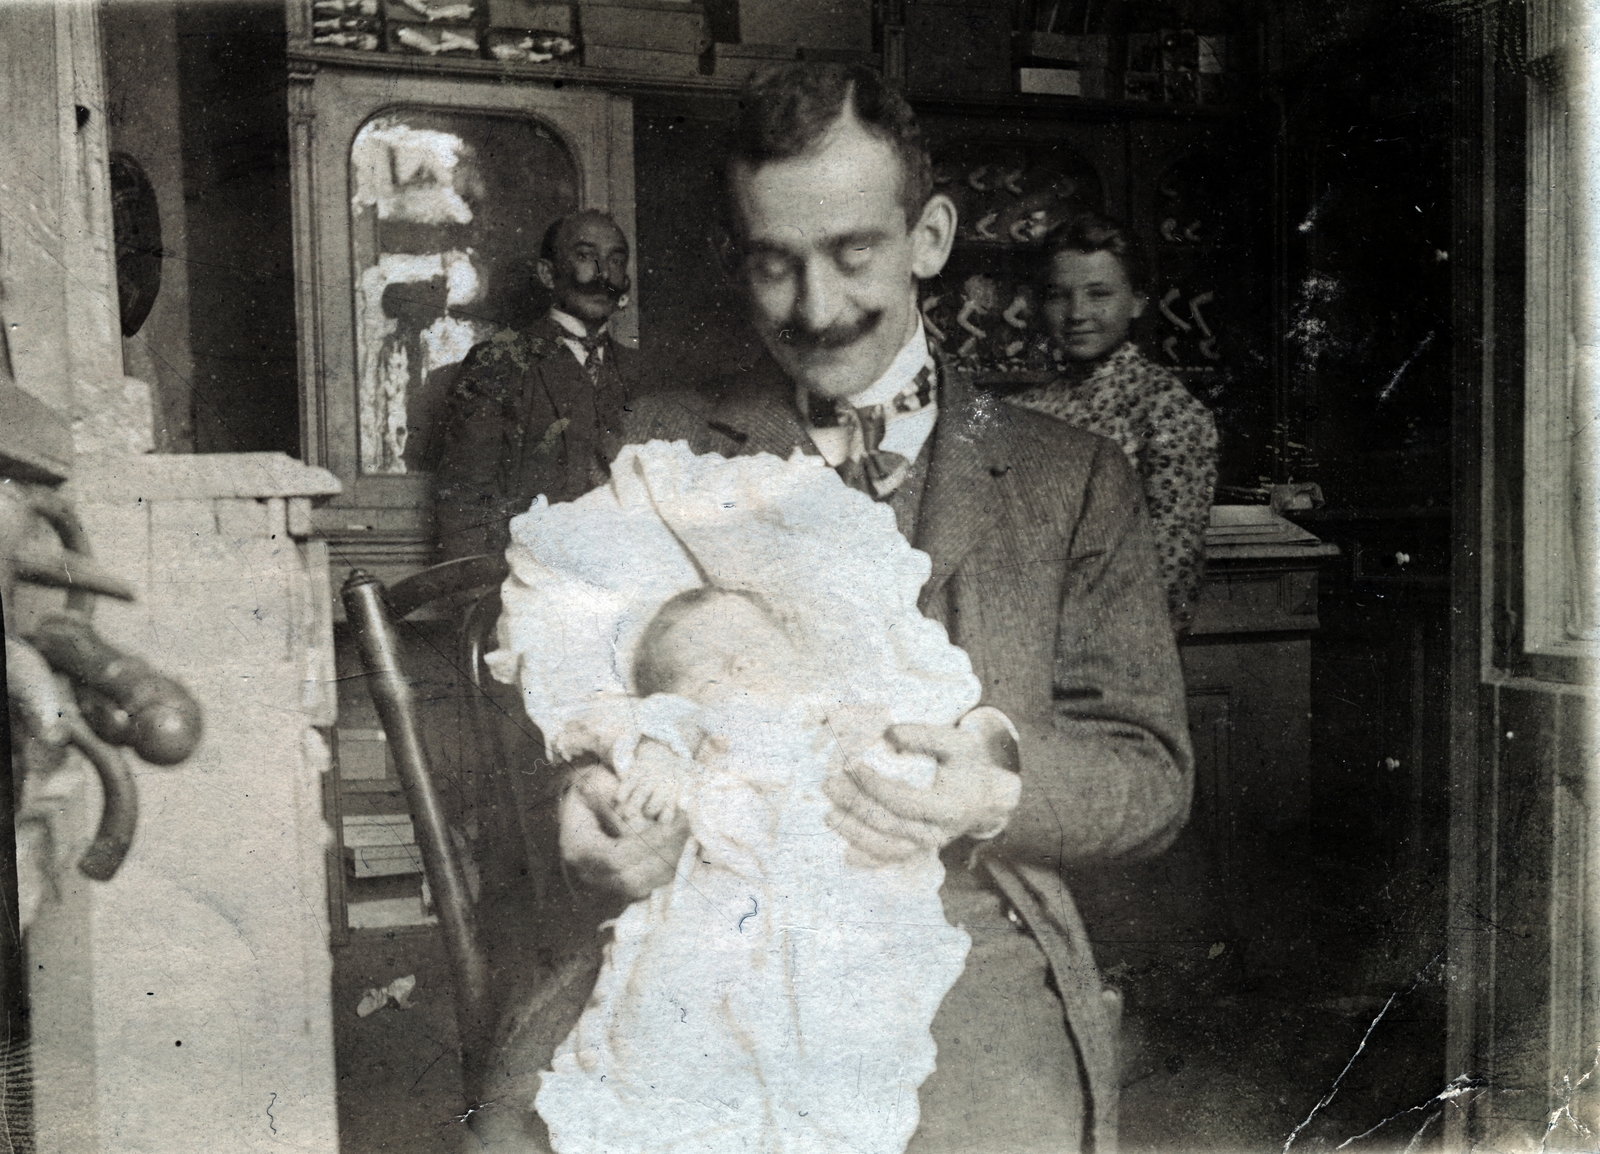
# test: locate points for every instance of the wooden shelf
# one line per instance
(631, 83)
(621, 82)
(981, 245)
(1042, 106)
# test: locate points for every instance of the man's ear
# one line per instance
(1140, 300)
(932, 235)
(546, 273)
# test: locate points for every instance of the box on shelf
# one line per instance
(347, 24)
(446, 12)
(840, 25)
(376, 861)
(642, 60)
(958, 49)
(1050, 81)
(385, 829)
(1145, 86)
(1092, 51)
(433, 40)
(1097, 83)
(741, 61)
(531, 47)
(363, 754)
(387, 913)
(532, 16)
(656, 25)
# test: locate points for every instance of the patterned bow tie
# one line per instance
(875, 471)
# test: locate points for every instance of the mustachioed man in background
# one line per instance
(539, 409)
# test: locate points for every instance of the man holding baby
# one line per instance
(1043, 572)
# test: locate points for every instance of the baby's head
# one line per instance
(708, 644)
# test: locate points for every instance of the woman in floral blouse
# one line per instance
(1094, 291)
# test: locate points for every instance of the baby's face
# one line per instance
(723, 647)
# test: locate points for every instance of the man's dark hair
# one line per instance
(1091, 232)
(552, 235)
(788, 109)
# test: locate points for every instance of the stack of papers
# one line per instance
(1253, 525)
(381, 845)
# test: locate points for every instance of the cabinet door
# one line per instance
(420, 203)
(1198, 198)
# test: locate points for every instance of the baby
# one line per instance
(709, 646)
(775, 996)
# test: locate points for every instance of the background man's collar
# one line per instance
(573, 325)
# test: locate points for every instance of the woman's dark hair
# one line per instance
(786, 111)
(1090, 232)
(651, 673)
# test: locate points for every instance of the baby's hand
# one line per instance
(650, 788)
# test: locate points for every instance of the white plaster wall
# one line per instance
(214, 934)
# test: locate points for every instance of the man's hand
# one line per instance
(629, 855)
(973, 792)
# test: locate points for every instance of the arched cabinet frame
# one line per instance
(385, 521)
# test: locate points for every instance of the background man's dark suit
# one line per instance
(523, 418)
(1043, 571)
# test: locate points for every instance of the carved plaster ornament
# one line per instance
(927, 307)
(980, 297)
(1032, 227)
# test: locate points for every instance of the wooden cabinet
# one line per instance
(420, 201)
(1247, 667)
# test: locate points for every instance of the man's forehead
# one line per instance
(594, 231)
(851, 181)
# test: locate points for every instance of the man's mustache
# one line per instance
(602, 285)
(835, 336)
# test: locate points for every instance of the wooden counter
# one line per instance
(1247, 665)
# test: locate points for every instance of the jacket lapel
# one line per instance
(761, 417)
(965, 468)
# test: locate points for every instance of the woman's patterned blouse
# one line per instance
(1171, 441)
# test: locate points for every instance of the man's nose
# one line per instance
(1077, 307)
(818, 298)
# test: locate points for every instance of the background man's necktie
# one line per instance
(595, 346)
(875, 471)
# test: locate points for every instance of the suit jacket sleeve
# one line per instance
(1109, 773)
(476, 487)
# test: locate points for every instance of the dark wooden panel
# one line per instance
(1518, 922)
(1257, 601)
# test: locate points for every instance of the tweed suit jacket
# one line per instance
(522, 419)
(1045, 573)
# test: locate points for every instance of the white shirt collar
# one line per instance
(905, 434)
(908, 362)
(572, 324)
